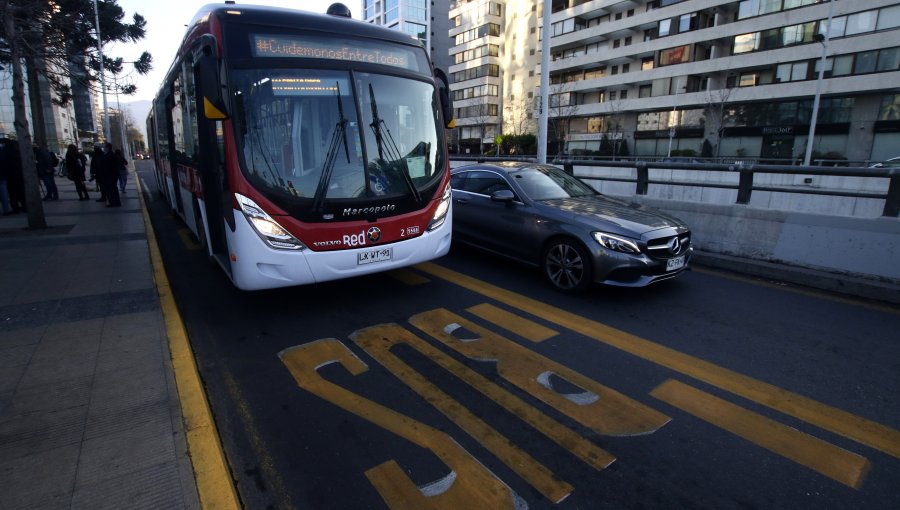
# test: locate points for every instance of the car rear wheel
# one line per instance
(567, 266)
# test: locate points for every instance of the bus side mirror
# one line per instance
(443, 85)
(206, 73)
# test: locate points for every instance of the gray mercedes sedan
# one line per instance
(540, 215)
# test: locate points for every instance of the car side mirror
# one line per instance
(503, 195)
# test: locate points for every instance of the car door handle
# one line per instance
(462, 201)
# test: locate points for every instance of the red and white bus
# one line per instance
(303, 147)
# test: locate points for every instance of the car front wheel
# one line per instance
(567, 266)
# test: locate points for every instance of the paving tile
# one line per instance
(127, 398)
(132, 356)
(16, 356)
(54, 396)
(59, 370)
(26, 434)
(22, 336)
(61, 349)
(156, 486)
(44, 480)
(10, 377)
(125, 451)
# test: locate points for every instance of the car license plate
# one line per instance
(676, 263)
(367, 257)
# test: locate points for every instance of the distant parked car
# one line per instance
(540, 215)
(889, 163)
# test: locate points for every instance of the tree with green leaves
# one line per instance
(57, 42)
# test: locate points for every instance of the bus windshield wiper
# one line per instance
(390, 148)
(339, 134)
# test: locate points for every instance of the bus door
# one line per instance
(210, 131)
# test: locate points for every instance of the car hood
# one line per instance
(608, 214)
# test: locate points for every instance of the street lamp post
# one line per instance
(672, 120)
(815, 109)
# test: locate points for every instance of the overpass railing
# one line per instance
(639, 173)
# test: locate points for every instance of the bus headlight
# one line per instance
(266, 228)
(440, 214)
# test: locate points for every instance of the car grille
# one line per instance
(662, 248)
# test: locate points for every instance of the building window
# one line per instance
(888, 60)
(645, 91)
(664, 27)
(745, 43)
(626, 68)
(890, 108)
(623, 94)
(865, 62)
(677, 55)
(861, 22)
(616, 43)
(628, 41)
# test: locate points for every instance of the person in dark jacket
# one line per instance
(123, 170)
(109, 176)
(75, 165)
(15, 180)
(45, 166)
(96, 164)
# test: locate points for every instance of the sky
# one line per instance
(166, 20)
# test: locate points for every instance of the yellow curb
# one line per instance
(215, 486)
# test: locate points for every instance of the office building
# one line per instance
(425, 20)
(735, 79)
(741, 76)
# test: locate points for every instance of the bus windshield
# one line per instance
(322, 135)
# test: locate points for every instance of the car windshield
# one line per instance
(336, 134)
(546, 183)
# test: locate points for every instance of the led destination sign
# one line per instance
(265, 46)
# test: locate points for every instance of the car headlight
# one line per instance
(267, 228)
(616, 243)
(440, 214)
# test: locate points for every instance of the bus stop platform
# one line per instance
(90, 415)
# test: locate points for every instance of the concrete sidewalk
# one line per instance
(89, 412)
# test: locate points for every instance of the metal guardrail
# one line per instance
(745, 186)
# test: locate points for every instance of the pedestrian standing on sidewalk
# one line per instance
(15, 180)
(109, 176)
(5, 171)
(123, 170)
(75, 165)
(96, 166)
(43, 161)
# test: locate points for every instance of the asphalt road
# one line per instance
(468, 382)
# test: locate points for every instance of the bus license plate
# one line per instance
(676, 263)
(367, 257)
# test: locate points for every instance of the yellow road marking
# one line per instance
(468, 485)
(602, 409)
(521, 326)
(559, 433)
(214, 484)
(377, 342)
(836, 463)
(408, 277)
(187, 238)
(840, 422)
